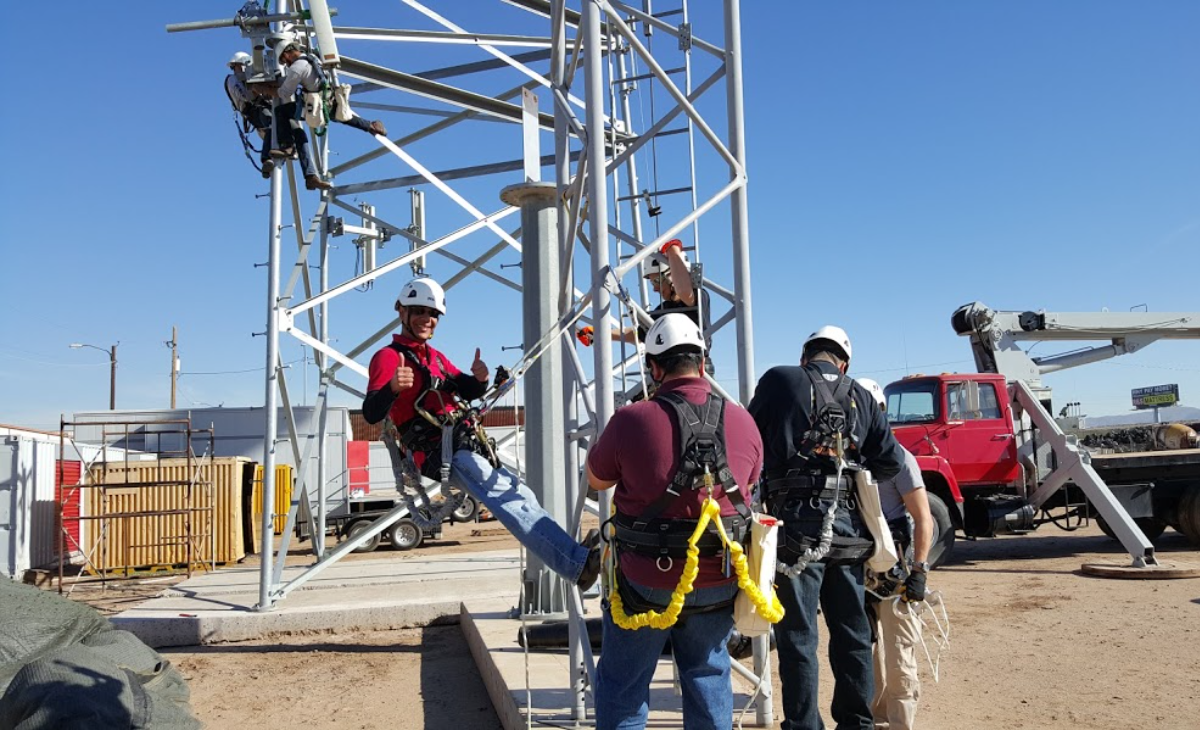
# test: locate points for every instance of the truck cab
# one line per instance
(964, 418)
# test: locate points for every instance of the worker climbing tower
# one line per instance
(612, 92)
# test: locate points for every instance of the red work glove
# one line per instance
(673, 243)
(586, 335)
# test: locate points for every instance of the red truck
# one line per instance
(982, 482)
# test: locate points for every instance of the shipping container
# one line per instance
(28, 508)
(239, 432)
(166, 512)
(283, 498)
(68, 472)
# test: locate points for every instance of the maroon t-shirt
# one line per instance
(639, 449)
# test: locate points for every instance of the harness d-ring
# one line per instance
(814, 503)
(670, 563)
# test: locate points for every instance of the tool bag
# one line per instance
(760, 556)
(870, 509)
(314, 110)
(341, 111)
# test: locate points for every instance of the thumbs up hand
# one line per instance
(403, 378)
(479, 368)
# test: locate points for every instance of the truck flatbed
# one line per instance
(1148, 466)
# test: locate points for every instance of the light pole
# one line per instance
(112, 382)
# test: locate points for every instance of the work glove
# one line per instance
(586, 335)
(914, 587)
(673, 243)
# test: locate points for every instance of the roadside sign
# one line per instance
(1155, 396)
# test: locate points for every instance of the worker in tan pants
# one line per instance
(897, 629)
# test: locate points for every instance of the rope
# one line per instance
(931, 606)
(767, 607)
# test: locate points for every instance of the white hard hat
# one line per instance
(833, 334)
(673, 330)
(660, 265)
(241, 58)
(423, 292)
(875, 389)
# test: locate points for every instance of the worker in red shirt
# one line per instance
(651, 452)
(410, 369)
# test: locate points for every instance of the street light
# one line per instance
(112, 382)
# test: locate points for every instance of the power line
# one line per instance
(259, 369)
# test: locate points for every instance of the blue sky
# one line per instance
(904, 159)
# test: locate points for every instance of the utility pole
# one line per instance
(174, 343)
(112, 380)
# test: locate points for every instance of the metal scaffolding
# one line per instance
(633, 157)
(126, 515)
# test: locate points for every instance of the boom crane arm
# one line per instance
(995, 337)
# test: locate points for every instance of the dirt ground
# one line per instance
(1034, 644)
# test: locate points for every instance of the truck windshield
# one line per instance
(912, 402)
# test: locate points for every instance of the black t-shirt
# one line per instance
(677, 306)
(783, 406)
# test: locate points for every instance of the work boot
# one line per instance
(591, 569)
(378, 128)
(313, 182)
(268, 167)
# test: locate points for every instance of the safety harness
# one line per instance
(703, 465)
(827, 445)
(438, 435)
(702, 440)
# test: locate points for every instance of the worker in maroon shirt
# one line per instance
(410, 368)
(649, 452)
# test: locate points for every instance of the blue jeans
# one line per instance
(518, 510)
(628, 659)
(289, 132)
(840, 592)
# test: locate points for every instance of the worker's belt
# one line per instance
(842, 551)
(634, 602)
(800, 485)
(668, 537)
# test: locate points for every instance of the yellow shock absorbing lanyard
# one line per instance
(768, 607)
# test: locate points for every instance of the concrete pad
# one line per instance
(349, 595)
(537, 684)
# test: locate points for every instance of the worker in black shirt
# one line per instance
(670, 274)
(819, 428)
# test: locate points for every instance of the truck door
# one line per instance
(979, 436)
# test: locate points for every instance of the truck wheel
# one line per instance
(405, 534)
(943, 531)
(1150, 527)
(466, 511)
(356, 529)
(1189, 514)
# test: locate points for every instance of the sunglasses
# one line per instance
(424, 312)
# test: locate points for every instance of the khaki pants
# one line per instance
(897, 687)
